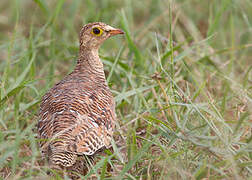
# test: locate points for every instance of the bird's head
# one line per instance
(93, 35)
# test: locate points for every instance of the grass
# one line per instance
(181, 78)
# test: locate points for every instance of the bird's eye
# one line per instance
(97, 31)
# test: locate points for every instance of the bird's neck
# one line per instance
(89, 62)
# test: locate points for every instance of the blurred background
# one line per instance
(181, 77)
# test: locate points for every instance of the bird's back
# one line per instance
(76, 118)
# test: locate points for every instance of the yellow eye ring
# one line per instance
(97, 31)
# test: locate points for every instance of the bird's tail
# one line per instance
(62, 158)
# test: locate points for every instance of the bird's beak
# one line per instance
(113, 32)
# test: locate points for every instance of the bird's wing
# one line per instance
(79, 120)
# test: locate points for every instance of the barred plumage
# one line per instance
(77, 116)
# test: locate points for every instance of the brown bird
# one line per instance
(77, 115)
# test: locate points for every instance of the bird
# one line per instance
(77, 115)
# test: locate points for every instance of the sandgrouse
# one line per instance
(77, 115)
